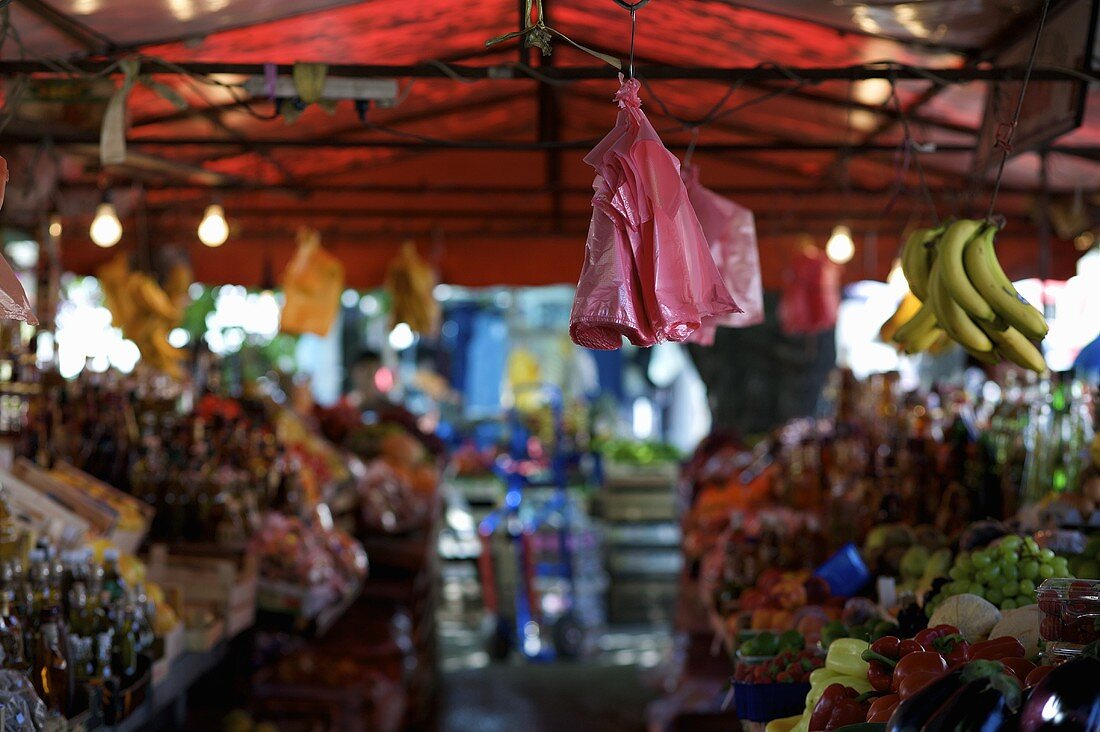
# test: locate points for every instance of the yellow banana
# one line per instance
(916, 259)
(1014, 345)
(957, 284)
(951, 316)
(924, 341)
(917, 326)
(984, 271)
(941, 345)
(990, 357)
(907, 308)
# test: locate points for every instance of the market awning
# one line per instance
(479, 159)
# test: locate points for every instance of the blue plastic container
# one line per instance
(765, 702)
(845, 571)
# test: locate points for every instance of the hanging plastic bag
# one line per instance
(410, 283)
(313, 282)
(14, 304)
(640, 201)
(811, 293)
(731, 233)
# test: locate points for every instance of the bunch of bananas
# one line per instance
(146, 312)
(966, 297)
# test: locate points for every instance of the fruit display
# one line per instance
(1006, 573)
(767, 643)
(635, 452)
(966, 296)
(1070, 611)
(291, 551)
(788, 667)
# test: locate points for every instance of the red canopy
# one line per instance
(512, 205)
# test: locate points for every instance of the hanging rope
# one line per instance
(911, 152)
(1006, 131)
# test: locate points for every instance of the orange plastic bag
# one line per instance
(14, 304)
(313, 282)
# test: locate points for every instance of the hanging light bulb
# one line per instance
(896, 278)
(214, 229)
(55, 226)
(106, 229)
(841, 248)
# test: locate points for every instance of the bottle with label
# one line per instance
(124, 652)
(113, 583)
(81, 634)
(52, 674)
(104, 630)
(11, 635)
(144, 618)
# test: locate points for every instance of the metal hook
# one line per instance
(633, 28)
(691, 145)
(631, 6)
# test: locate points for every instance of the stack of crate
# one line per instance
(642, 540)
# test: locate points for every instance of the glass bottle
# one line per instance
(113, 583)
(81, 634)
(124, 651)
(104, 631)
(11, 635)
(52, 674)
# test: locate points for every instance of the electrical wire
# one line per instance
(1005, 142)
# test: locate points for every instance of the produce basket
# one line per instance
(765, 702)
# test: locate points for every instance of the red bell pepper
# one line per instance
(914, 682)
(883, 656)
(1037, 674)
(830, 698)
(954, 648)
(997, 649)
(883, 708)
(923, 662)
(927, 637)
(1020, 667)
(846, 712)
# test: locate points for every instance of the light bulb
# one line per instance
(106, 229)
(841, 248)
(214, 229)
(55, 226)
(896, 278)
(401, 337)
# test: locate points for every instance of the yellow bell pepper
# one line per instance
(844, 657)
(786, 724)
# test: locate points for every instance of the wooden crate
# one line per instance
(41, 514)
(226, 585)
(101, 517)
(127, 540)
(202, 639)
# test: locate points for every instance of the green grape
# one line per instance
(1032, 546)
(1007, 586)
(1029, 569)
(990, 573)
(1046, 570)
(994, 596)
(1011, 572)
(1061, 567)
(963, 562)
(956, 574)
(1012, 542)
(1007, 552)
(980, 560)
(1027, 587)
(1008, 604)
(1047, 555)
(963, 587)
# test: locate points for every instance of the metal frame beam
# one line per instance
(809, 75)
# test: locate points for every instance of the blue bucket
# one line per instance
(845, 571)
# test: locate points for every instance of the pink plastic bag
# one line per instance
(731, 233)
(648, 273)
(811, 293)
(14, 304)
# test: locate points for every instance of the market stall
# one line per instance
(331, 331)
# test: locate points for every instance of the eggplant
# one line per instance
(977, 707)
(1067, 700)
(912, 713)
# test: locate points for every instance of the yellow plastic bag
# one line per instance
(313, 282)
